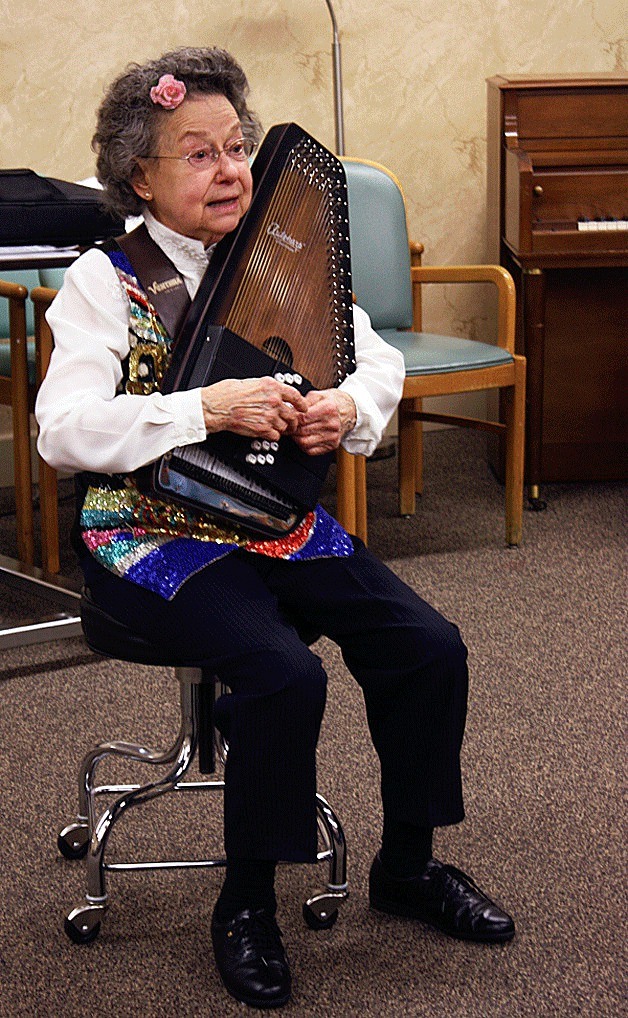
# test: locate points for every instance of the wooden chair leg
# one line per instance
(407, 458)
(21, 434)
(49, 504)
(514, 418)
(48, 493)
(418, 449)
(346, 490)
(361, 524)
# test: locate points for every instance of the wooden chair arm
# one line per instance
(43, 295)
(495, 274)
(13, 291)
(416, 250)
(16, 295)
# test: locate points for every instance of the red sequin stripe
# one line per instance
(282, 547)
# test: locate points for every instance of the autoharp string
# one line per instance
(272, 269)
(279, 280)
(288, 293)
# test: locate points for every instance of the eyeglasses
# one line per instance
(205, 158)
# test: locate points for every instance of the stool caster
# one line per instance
(82, 925)
(73, 841)
(325, 921)
(321, 910)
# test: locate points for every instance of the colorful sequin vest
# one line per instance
(160, 545)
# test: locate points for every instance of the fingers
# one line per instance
(266, 408)
(291, 395)
(321, 430)
(330, 415)
(257, 407)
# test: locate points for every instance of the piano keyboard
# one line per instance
(602, 224)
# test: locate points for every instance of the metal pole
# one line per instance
(337, 71)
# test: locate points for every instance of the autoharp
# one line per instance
(276, 300)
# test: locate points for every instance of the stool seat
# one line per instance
(108, 636)
(199, 737)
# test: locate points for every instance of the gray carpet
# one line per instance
(543, 767)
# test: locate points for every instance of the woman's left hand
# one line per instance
(330, 415)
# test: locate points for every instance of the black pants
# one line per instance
(245, 616)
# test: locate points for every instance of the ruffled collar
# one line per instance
(189, 256)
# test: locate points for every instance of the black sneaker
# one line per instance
(444, 897)
(251, 959)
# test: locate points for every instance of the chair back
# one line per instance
(380, 253)
(28, 278)
(51, 277)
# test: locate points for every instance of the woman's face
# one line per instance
(203, 203)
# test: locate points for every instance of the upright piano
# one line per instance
(557, 178)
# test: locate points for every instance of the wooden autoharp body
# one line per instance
(276, 300)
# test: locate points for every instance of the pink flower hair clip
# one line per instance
(169, 92)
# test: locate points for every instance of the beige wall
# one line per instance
(414, 87)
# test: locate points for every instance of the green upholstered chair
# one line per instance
(387, 280)
(17, 390)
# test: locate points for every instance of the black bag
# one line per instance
(43, 210)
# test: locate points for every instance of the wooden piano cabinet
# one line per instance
(557, 200)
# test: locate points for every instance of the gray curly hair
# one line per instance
(128, 121)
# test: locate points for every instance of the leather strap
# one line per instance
(159, 277)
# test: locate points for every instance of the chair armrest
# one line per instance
(16, 294)
(416, 250)
(500, 277)
(13, 291)
(43, 295)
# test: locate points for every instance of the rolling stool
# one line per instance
(87, 836)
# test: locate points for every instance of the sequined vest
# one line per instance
(151, 542)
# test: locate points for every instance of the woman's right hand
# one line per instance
(257, 407)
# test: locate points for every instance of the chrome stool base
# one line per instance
(87, 836)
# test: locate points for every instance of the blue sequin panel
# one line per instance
(328, 540)
(165, 569)
(120, 260)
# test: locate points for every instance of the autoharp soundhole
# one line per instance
(277, 347)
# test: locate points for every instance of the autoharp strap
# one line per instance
(158, 276)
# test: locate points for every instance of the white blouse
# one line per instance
(85, 424)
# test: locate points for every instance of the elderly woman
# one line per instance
(173, 140)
